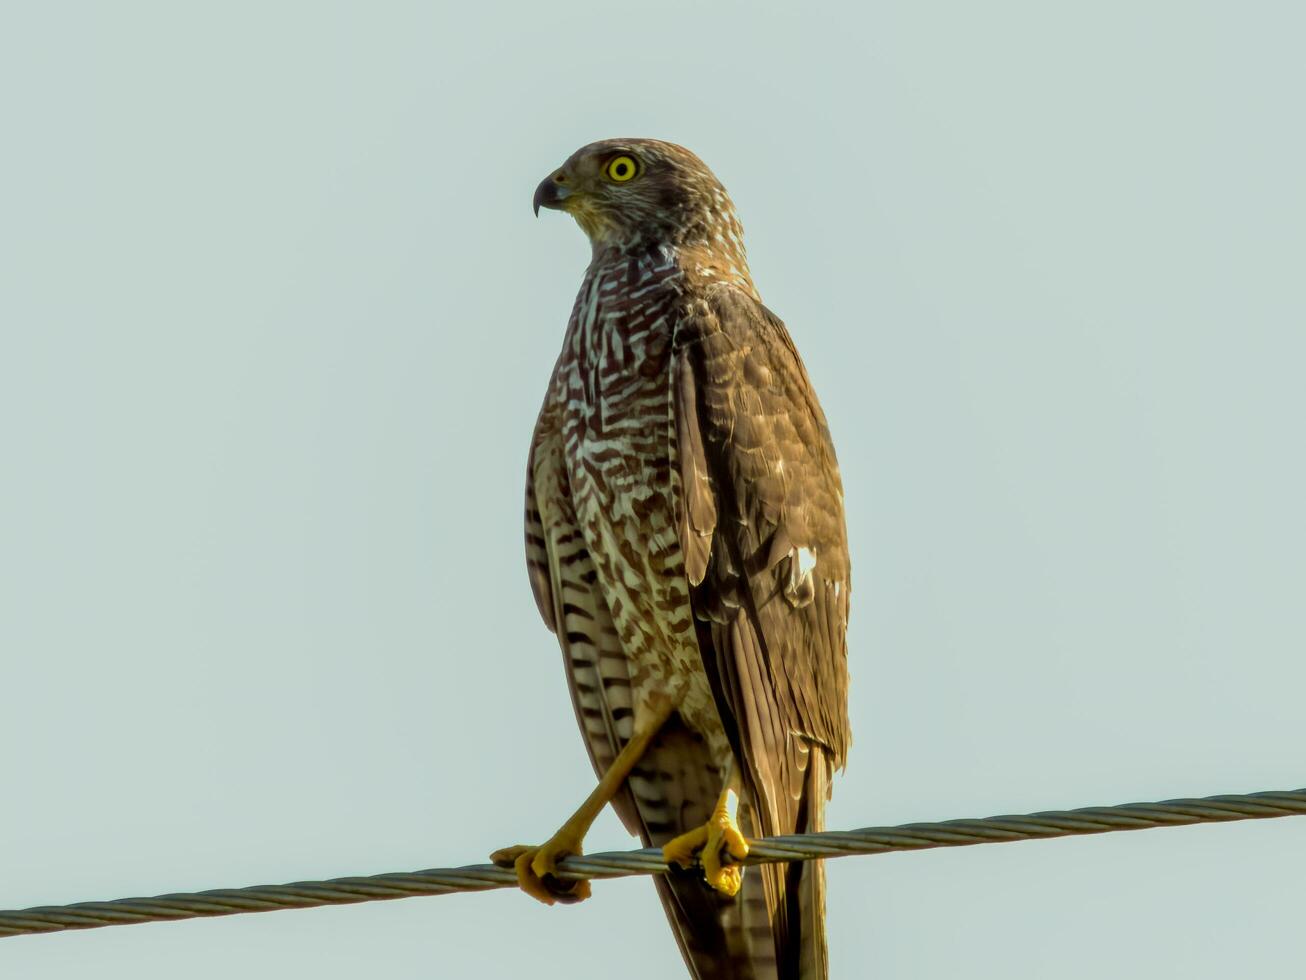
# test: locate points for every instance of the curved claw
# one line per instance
(682, 850)
(724, 840)
(714, 842)
(535, 866)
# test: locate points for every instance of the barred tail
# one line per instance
(774, 929)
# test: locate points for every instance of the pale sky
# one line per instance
(276, 323)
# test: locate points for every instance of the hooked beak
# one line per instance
(551, 193)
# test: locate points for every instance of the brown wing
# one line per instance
(762, 528)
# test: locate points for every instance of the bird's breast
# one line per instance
(617, 424)
(618, 349)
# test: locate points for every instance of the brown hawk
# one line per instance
(685, 541)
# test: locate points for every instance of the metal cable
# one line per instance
(619, 864)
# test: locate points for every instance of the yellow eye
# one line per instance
(622, 168)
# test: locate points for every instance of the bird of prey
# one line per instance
(685, 540)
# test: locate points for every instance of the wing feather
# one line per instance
(698, 513)
(770, 592)
(772, 600)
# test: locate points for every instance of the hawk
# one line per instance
(685, 540)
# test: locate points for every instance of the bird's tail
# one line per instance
(795, 892)
(774, 928)
(674, 788)
(807, 956)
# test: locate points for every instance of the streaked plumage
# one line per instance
(685, 541)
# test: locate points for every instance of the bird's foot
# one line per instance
(536, 867)
(717, 843)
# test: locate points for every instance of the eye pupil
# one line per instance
(621, 169)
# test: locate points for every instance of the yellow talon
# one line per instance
(715, 841)
(680, 850)
(535, 867)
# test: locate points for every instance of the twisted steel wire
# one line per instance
(619, 864)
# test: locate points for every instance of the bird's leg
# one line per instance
(535, 865)
(715, 842)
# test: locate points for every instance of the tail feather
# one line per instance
(673, 790)
(808, 895)
(774, 929)
(796, 891)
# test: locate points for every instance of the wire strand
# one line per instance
(620, 864)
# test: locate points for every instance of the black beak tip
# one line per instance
(546, 195)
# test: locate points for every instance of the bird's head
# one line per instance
(630, 194)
